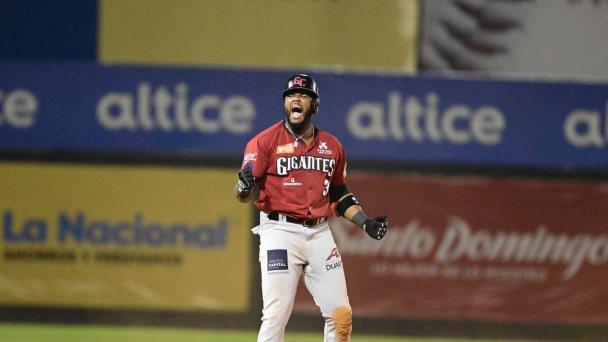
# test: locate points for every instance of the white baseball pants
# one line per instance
(287, 251)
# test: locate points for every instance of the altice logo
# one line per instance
(164, 109)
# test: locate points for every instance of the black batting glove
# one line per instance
(376, 227)
(246, 181)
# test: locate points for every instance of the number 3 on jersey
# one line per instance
(325, 186)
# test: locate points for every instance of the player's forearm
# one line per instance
(349, 208)
(355, 215)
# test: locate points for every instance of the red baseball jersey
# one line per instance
(294, 179)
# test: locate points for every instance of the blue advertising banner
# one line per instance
(89, 107)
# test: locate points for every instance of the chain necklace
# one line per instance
(295, 142)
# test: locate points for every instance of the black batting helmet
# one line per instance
(303, 83)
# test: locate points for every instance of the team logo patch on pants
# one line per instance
(277, 260)
(333, 261)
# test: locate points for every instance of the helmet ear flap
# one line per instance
(315, 106)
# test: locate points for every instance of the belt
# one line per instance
(273, 215)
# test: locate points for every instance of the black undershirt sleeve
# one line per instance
(337, 191)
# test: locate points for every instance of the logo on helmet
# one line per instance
(299, 81)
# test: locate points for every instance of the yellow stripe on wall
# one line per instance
(265, 33)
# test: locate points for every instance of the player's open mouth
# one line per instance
(296, 111)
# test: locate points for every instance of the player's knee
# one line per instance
(343, 322)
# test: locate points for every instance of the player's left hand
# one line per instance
(376, 227)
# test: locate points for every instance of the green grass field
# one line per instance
(66, 333)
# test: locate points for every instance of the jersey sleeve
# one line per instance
(255, 157)
(339, 177)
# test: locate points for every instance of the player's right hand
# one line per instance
(376, 227)
(246, 181)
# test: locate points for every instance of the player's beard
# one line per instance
(299, 127)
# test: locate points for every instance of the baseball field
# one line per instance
(67, 333)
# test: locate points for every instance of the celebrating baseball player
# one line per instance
(296, 173)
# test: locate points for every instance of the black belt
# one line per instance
(273, 215)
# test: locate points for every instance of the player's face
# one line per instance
(298, 106)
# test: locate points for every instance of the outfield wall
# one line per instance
(119, 237)
(85, 107)
(478, 248)
(117, 203)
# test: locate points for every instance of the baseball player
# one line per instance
(296, 173)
